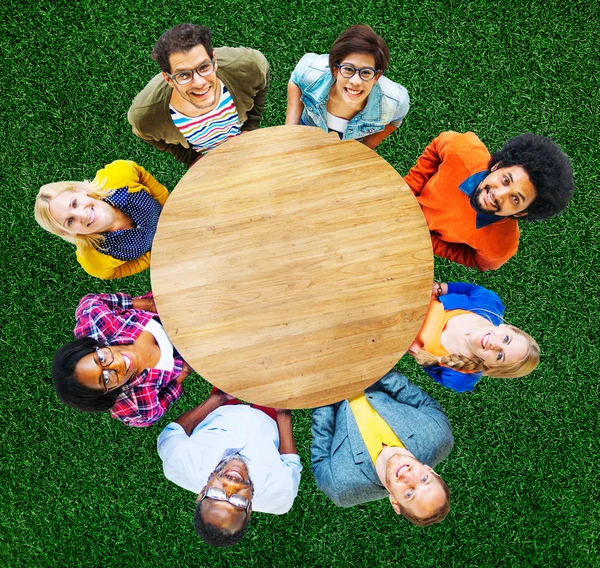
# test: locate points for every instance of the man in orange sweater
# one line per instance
(472, 201)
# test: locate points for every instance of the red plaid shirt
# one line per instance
(112, 320)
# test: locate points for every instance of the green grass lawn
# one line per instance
(83, 490)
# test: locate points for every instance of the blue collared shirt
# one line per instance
(388, 102)
(188, 461)
(468, 187)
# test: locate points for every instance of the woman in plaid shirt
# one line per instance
(122, 361)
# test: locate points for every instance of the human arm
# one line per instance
(453, 379)
(373, 140)
(105, 267)
(286, 433)
(157, 190)
(462, 295)
(295, 107)
(398, 387)
(190, 419)
(254, 115)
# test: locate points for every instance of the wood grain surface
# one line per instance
(291, 269)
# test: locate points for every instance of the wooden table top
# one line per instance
(291, 269)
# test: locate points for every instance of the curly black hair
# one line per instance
(180, 38)
(549, 170)
(68, 389)
(216, 536)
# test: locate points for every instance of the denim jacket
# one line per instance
(388, 102)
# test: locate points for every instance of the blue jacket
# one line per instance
(340, 461)
(388, 102)
(476, 299)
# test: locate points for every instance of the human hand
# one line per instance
(145, 304)
(439, 289)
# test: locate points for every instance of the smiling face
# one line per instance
(125, 364)
(231, 476)
(498, 345)
(354, 91)
(79, 214)
(504, 192)
(201, 94)
(413, 486)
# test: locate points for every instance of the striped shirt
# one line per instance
(206, 132)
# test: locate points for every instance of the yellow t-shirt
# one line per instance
(374, 430)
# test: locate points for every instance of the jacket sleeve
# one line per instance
(148, 406)
(398, 387)
(426, 167)
(453, 379)
(96, 315)
(187, 156)
(155, 189)
(137, 118)
(466, 255)
(323, 428)
(106, 267)
(254, 115)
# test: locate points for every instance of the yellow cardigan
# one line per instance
(119, 174)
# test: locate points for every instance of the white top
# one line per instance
(166, 362)
(336, 123)
(188, 461)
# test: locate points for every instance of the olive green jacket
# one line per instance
(245, 73)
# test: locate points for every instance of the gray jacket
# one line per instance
(340, 461)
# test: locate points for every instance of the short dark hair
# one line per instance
(216, 536)
(437, 517)
(548, 168)
(68, 389)
(360, 39)
(178, 39)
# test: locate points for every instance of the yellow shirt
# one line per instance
(115, 175)
(374, 430)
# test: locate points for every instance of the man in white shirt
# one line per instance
(237, 458)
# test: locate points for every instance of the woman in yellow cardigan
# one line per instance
(111, 220)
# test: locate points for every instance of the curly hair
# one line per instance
(548, 168)
(179, 39)
(216, 536)
(68, 389)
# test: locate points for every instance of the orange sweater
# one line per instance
(448, 161)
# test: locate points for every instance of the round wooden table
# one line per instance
(291, 269)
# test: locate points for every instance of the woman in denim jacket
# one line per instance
(346, 91)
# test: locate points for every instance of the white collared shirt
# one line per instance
(188, 461)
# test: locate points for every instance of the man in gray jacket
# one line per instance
(203, 96)
(384, 443)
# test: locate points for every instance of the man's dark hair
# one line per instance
(548, 168)
(359, 39)
(179, 39)
(437, 517)
(216, 536)
(68, 389)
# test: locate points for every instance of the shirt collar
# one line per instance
(468, 187)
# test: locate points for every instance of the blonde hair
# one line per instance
(45, 220)
(464, 363)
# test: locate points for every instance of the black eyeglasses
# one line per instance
(238, 501)
(110, 378)
(184, 77)
(348, 71)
